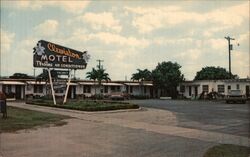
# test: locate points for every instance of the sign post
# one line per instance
(49, 55)
(67, 89)
(52, 88)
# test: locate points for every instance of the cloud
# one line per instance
(148, 19)
(68, 6)
(7, 39)
(108, 39)
(111, 38)
(47, 28)
(191, 55)
(100, 21)
(240, 64)
(217, 44)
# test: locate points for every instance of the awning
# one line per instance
(139, 84)
(112, 84)
(147, 84)
(132, 84)
(87, 83)
(36, 82)
(72, 84)
(12, 82)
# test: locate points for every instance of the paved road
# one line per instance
(206, 115)
(143, 133)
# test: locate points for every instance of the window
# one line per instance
(237, 86)
(106, 88)
(221, 88)
(7, 89)
(112, 88)
(38, 88)
(228, 87)
(118, 88)
(131, 89)
(190, 90)
(182, 89)
(145, 90)
(87, 89)
(205, 88)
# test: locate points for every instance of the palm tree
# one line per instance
(98, 75)
(142, 75)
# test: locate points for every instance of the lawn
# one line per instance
(88, 105)
(228, 150)
(25, 119)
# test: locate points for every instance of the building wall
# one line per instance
(213, 86)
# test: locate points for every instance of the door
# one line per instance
(247, 91)
(18, 92)
(196, 91)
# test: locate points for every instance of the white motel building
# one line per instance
(192, 89)
(18, 89)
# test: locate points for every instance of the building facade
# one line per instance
(21, 88)
(193, 89)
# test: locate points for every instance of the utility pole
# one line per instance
(230, 47)
(34, 72)
(99, 65)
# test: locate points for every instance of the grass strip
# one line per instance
(26, 119)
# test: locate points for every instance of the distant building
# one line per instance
(193, 89)
(21, 88)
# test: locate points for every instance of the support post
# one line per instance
(67, 89)
(52, 88)
(230, 47)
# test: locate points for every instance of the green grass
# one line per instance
(26, 119)
(228, 150)
(88, 105)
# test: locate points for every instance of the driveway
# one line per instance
(206, 115)
(148, 132)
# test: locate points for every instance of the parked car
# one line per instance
(236, 96)
(117, 96)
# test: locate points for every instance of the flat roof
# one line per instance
(35, 82)
(12, 82)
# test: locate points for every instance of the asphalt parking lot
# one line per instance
(166, 128)
(206, 115)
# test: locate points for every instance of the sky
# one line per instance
(129, 35)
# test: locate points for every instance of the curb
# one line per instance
(77, 111)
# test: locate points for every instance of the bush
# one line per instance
(87, 105)
(139, 97)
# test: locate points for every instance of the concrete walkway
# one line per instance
(134, 123)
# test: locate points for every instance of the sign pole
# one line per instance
(51, 85)
(67, 89)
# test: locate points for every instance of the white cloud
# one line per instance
(47, 28)
(7, 39)
(111, 38)
(68, 6)
(100, 21)
(191, 55)
(211, 31)
(244, 37)
(240, 64)
(148, 19)
(217, 44)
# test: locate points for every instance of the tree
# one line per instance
(21, 76)
(98, 75)
(213, 73)
(142, 75)
(167, 76)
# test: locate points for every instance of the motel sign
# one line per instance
(50, 55)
